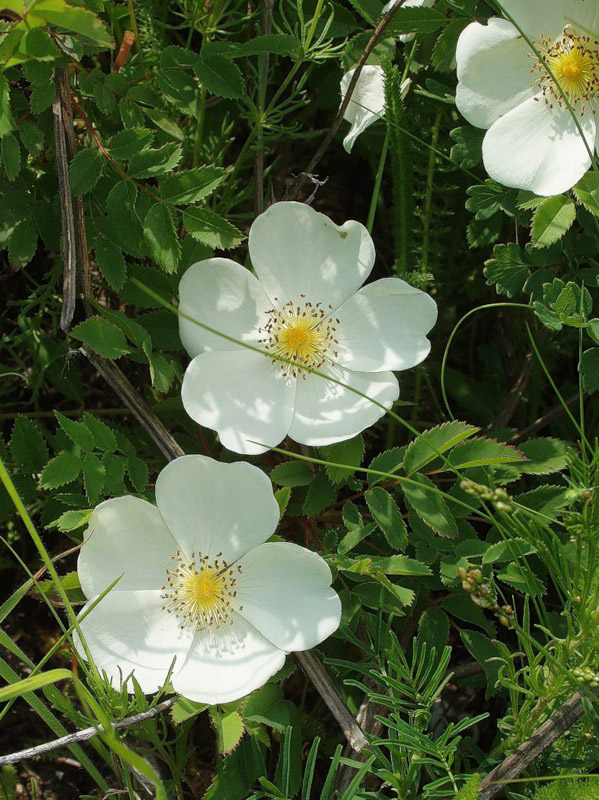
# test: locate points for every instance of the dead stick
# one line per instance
(541, 740)
(543, 421)
(83, 735)
(374, 39)
(171, 449)
(69, 290)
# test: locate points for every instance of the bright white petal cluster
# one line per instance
(407, 37)
(367, 102)
(200, 584)
(533, 141)
(305, 305)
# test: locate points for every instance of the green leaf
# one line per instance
(191, 186)
(138, 472)
(508, 270)
(282, 496)
(210, 229)
(150, 163)
(33, 683)
(486, 199)
(433, 629)
(350, 452)
(508, 551)
(32, 137)
(522, 580)
(589, 369)
(488, 655)
(469, 790)
(482, 453)
(102, 337)
(11, 156)
(78, 20)
(387, 516)
(545, 455)
(587, 192)
(279, 43)
(22, 245)
(415, 20)
(161, 237)
(37, 44)
(28, 446)
(65, 468)
(220, 76)
(85, 170)
(42, 97)
(430, 506)
(94, 473)
(354, 537)
(552, 219)
(389, 461)
(111, 263)
(71, 520)
(467, 150)
(422, 450)
(321, 494)
(185, 709)
(128, 142)
(399, 565)
(7, 122)
(78, 432)
(231, 730)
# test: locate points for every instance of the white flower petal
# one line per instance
(384, 326)
(227, 663)
(298, 252)
(326, 413)
(224, 296)
(130, 631)
(214, 507)
(125, 536)
(493, 67)
(242, 395)
(285, 592)
(367, 103)
(584, 16)
(537, 17)
(538, 148)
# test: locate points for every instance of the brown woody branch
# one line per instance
(541, 740)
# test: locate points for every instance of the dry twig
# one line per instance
(83, 735)
(69, 290)
(541, 740)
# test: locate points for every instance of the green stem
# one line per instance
(377, 183)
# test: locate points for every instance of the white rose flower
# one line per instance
(367, 102)
(305, 305)
(533, 142)
(407, 37)
(200, 583)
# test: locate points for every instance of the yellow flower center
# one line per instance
(574, 62)
(302, 333)
(201, 593)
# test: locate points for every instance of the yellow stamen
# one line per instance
(201, 592)
(303, 333)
